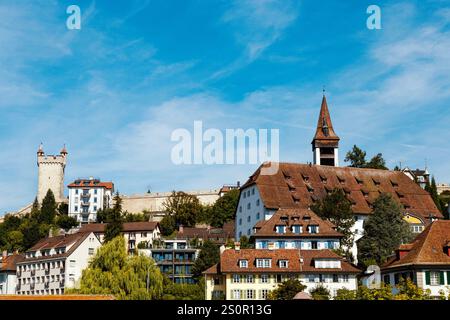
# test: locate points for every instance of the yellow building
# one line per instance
(250, 274)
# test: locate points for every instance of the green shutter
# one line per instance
(441, 278)
(427, 278)
(448, 277)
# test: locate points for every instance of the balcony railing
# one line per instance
(61, 283)
(33, 273)
(19, 274)
(32, 286)
(47, 272)
(46, 284)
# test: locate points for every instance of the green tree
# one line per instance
(14, 240)
(356, 157)
(377, 162)
(185, 208)
(112, 271)
(114, 220)
(48, 209)
(183, 291)
(320, 293)
(65, 222)
(382, 293)
(245, 243)
(444, 199)
(337, 209)
(384, 231)
(31, 233)
(224, 209)
(287, 290)
(345, 294)
(167, 225)
(407, 290)
(432, 190)
(63, 209)
(209, 255)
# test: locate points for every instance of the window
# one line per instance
(264, 278)
(297, 229)
(434, 278)
(236, 294)
(76, 191)
(313, 229)
(240, 221)
(283, 263)
(253, 191)
(240, 208)
(279, 229)
(243, 263)
(95, 200)
(95, 208)
(313, 244)
(236, 278)
(258, 216)
(245, 194)
(345, 278)
(387, 279)
(76, 208)
(335, 278)
(249, 219)
(264, 244)
(91, 251)
(263, 294)
(263, 263)
(250, 294)
(248, 206)
(257, 202)
(248, 232)
(281, 244)
(249, 278)
(72, 263)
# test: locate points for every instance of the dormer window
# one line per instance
(376, 181)
(263, 263)
(297, 229)
(341, 179)
(359, 180)
(323, 178)
(280, 229)
(305, 177)
(283, 263)
(243, 263)
(313, 228)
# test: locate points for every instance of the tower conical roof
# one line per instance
(325, 129)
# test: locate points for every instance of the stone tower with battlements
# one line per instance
(51, 173)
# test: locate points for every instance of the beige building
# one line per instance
(51, 173)
(154, 202)
(250, 274)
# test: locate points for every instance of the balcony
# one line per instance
(33, 273)
(32, 286)
(46, 284)
(19, 274)
(47, 272)
(61, 283)
(84, 204)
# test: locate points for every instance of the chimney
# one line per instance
(180, 228)
(50, 233)
(237, 246)
(447, 249)
(4, 254)
(221, 249)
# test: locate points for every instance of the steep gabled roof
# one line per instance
(8, 263)
(295, 216)
(298, 261)
(298, 185)
(324, 130)
(126, 227)
(427, 248)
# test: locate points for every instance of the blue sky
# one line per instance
(116, 89)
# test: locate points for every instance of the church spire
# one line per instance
(40, 151)
(325, 142)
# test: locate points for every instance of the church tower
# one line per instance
(51, 173)
(325, 144)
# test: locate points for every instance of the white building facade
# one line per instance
(87, 197)
(55, 264)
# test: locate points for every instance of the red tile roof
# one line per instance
(229, 261)
(91, 184)
(295, 216)
(300, 185)
(126, 227)
(427, 248)
(8, 263)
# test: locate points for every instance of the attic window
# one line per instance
(352, 201)
(309, 187)
(376, 181)
(295, 198)
(394, 183)
(347, 190)
(323, 178)
(306, 217)
(290, 185)
(328, 188)
(341, 178)
(286, 174)
(284, 218)
(400, 194)
(305, 177)
(359, 180)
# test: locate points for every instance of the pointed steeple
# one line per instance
(325, 143)
(324, 126)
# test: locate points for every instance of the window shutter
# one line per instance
(448, 277)
(441, 278)
(427, 278)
